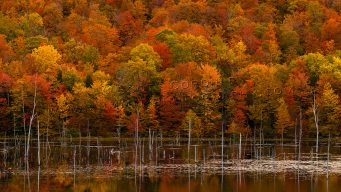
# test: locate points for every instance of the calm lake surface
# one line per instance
(87, 165)
(243, 182)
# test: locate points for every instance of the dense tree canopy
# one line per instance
(100, 66)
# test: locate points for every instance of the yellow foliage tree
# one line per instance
(283, 121)
(46, 59)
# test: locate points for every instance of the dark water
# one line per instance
(241, 182)
(81, 165)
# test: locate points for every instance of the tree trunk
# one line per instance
(161, 137)
(222, 146)
(38, 135)
(119, 136)
(300, 137)
(295, 138)
(150, 144)
(14, 134)
(32, 117)
(240, 146)
(254, 141)
(189, 138)
(24, 120)
(47, 129)
(88, 148)
(260, 135)
(136, 137)
(282, 139)
(328, 156)
(316, 120)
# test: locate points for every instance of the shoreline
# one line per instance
(210, 167)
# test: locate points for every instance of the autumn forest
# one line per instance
(108, 67)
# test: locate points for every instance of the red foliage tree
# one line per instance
(5, 86)
(6, 52)
(165, 54)
(170, 113)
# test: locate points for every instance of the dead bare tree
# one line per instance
(328, 157)
(189, 137)
(38, 135)
(316, 120)
(33, 115)
(24, 120)
(136, 137)
(300, 136)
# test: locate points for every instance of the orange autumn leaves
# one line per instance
(245, 66)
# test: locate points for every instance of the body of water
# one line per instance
(102, 165)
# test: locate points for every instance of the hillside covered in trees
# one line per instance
(110, 66)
